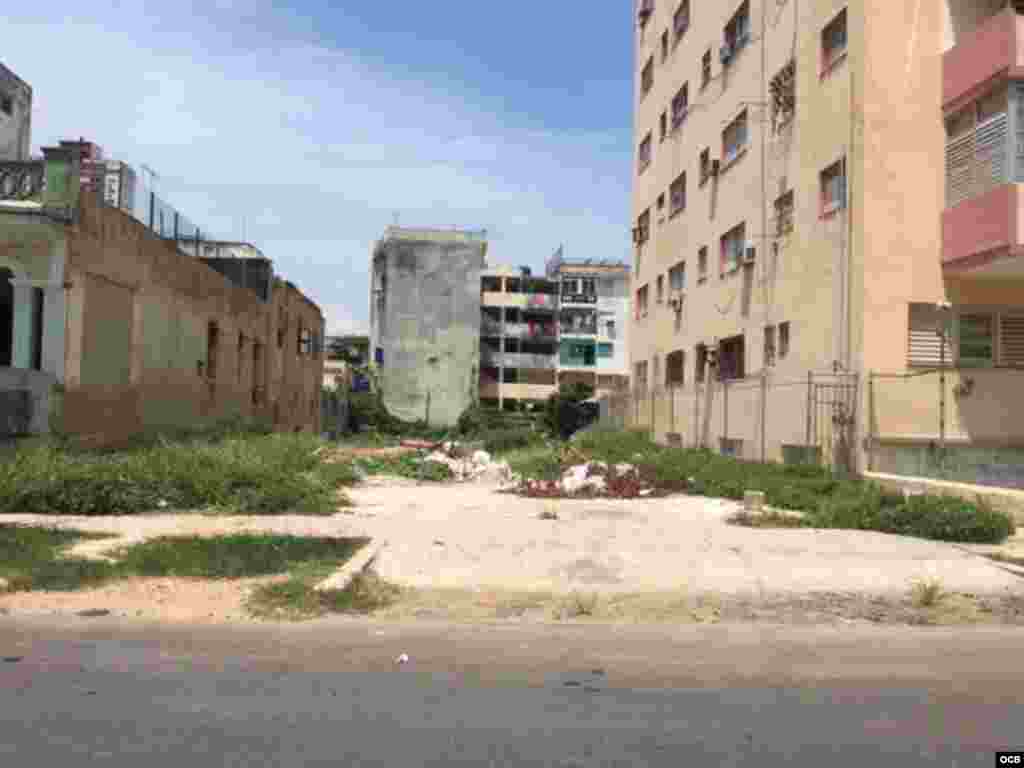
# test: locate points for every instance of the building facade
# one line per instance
(108, 330)
(830, 188)
(15, 118)
(593, 321)
(518, 337)
(425, 321)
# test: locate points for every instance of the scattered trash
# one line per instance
(479, 466)
(403, 659)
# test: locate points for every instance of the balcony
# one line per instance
(539, 301)
(984, 236)
(492, 358)
(531, 330)
(580, 299)
(490, 327)
(995, 48)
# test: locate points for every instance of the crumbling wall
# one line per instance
(428, 327)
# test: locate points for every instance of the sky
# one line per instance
(309, 130)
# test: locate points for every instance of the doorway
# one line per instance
(6, 317)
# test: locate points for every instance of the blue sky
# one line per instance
(316, 125)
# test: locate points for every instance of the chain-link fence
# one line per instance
(768, 418)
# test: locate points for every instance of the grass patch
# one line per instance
(297, 599)
(926, 593)
(409, 465)
(242, 473)
(769, 518)
(825, 500)
(34, 558)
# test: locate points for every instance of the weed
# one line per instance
(766, 519)
(926, 593)
(410, 465)
(577, 605)
(297, 598)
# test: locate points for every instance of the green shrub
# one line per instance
(949, 518)
(564, 412)
(507, 440)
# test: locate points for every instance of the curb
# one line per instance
(362, 561)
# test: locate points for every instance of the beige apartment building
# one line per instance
(828, 205)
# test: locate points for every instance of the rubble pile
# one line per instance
(594, 478)
(470, 465)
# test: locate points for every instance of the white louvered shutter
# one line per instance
(924, 346)
(991, 151)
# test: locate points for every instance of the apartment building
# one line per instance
(518, 337)
(593, 320)
(830, 188)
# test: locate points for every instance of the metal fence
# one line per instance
(813, 418)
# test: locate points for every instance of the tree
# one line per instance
(565, 411)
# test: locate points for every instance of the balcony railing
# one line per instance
(517, 360)
(531, 330)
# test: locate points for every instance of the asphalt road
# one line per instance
(93, 692)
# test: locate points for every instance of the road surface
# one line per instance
(105, 692)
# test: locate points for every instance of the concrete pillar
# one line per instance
(54, 319)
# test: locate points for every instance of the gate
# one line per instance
(832, 421)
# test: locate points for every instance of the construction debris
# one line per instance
(589, 480)
(479, 467)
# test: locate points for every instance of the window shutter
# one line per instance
(959, 157)
(924, 346)
(1011, 340)
(991, 142)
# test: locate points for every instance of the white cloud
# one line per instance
(311, 148)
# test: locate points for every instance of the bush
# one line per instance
(511, 439)
(565, 412)
(949, 518)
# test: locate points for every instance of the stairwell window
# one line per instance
(702, 264)
(734, 138)
(833, 188)
(647, 77)
(783, 340)
(769, 346)
(641, 302)
(737, 31)
(677, 277)
(664, 45)
(677, 195)
(705, 166)
(660, 295)
(833, 43)
(783, 96)
(681, 20)
(644, 152)
(663, 126)
(680, 105)
(732, 245)
(705, 69)
(640, 376)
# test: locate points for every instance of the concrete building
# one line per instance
(815, 181)
(425, 321)
(341, 353)
(15, 118)
(107, 330)
(518, 337)
(593, 321)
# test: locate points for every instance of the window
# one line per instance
(734, 138)
(605, 349)
(924, 340)
(677, 195)
(643, 158)
(705, 69)
(700, 358)
(38, 302)
(681, 20)
(241, 352)
(732, 249)
(644, 12)
(833, 187)
(680, 104)
(783, 340)
(661, 289)
(663, 126)
(975, 137)
(212, 344)
(661, 202)
(833, 42)
(647, 77)
(677, 277)
(769, 346)
(731, 359)
(664, 45)
(610, 332)
(643, 226)
(975, 339)
(705, 166)
(784, 214)
(702, 264)
(6, 105)
(641, 302)
(783, 95)
(737, 31)
(675, 363)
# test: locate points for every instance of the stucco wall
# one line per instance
(430, 327)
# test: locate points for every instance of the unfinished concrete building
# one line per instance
(425, 321)
(15, 117)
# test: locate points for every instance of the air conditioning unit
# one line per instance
(716, 165)
(725, 53)
(749, 253)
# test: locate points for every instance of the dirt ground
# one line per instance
(469, 552)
